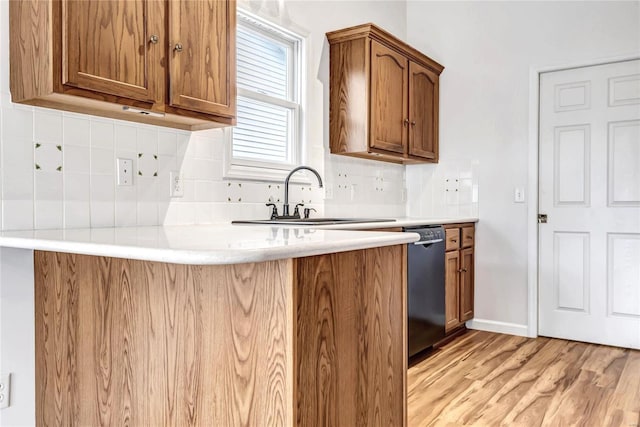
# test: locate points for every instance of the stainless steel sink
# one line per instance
(312, 221)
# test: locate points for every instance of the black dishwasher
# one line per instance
(425, 288)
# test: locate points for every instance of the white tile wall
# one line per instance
(58, 170)
(448, 189)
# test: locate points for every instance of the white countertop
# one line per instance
(201, 244)
(399, 222)
(217, 243)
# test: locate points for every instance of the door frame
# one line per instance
(532, 177)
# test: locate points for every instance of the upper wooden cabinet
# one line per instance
(202, 56)
(383, 97)
(389, 95)
(173, 60)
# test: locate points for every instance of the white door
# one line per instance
(589, 181)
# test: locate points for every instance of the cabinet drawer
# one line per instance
(453, 239)
(468, 235)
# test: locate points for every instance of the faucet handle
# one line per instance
(274, 210)
(307, 211)
(296, 211)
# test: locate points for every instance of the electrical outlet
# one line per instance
(125, 172)
(5, 390)
(328, 192)
(177, 184)
(518, 195)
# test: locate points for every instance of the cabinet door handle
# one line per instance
(413, 122)
(153, 39)
(406, 122)
(178, 47)
(462, 270)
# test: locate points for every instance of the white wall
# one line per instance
(488, 49)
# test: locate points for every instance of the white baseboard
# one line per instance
(498, 327)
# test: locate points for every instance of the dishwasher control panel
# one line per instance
(428, 233)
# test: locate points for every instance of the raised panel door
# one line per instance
(114, 47)
(452, 290)
(466, 284)
(423, 112)
(589, 188)
(203, 56)
(389, 91)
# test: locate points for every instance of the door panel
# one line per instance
(203, 55)
(589, 261)
(423, 112)
(466, 284)
(452, 289)
(389, 119)
(108, 47)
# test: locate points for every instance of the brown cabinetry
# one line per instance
(459, 274)
(383, 97)
(174, 61)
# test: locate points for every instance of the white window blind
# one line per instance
(268, 118)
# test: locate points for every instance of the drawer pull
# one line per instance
(454, 240)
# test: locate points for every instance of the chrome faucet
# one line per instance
(285, 207)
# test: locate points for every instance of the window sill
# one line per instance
(262, 174)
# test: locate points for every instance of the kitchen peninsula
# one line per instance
(218, 325)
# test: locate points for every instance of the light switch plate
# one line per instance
(518, 195)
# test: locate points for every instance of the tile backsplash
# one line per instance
(59, 171)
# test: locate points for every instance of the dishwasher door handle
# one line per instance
(427, 242)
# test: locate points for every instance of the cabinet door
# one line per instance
(466, 284)
(203, 55)
(452, 289)
(423, 112)
(114, 47)
(388, 107)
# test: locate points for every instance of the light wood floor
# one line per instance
(485, 379)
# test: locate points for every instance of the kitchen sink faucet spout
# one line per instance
(285, 208)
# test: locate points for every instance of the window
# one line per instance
(265, 143)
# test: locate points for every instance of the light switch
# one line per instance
(518, 195)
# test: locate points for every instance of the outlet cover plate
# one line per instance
(125, 172)
(5, 390)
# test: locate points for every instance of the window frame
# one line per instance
(270, 171)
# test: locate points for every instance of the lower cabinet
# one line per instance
(459, 275)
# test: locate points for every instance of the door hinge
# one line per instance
(542, 218)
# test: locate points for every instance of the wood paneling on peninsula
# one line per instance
(308, 341)
(124, 342)
(351, 352)
(384, 97)
(97, 57)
